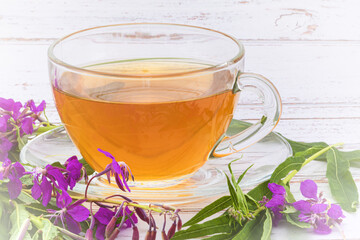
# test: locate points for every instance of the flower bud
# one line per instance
(136, 235)
(153, 234)
(141, 214)
(148, 235)
(110, 227)
(164, 236)
(172, 230)
(89, 234)
(114, 234)
(179, 224)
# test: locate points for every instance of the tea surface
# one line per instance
(163, 128)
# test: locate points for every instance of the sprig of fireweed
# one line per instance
(38, 200)
(252, 215)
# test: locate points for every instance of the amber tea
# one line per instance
(162, 128)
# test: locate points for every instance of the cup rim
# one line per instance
(240, 54)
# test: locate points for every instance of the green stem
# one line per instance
(110, 201)
(70, 234)
(316, 155)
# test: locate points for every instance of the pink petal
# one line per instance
(46, 189)
(36, 190)
(27, 125)
(14, 188)
(335, 212)
(319, 208)
(100, 232)
(276, 188)
(302, 206)
(79, 213)
(277, 200)
(63, 200)
(106, 154)
(321, 227)
(72, 225)
(104, 215)
(308, 189)
(3, 123)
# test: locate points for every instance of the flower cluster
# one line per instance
(314, 210)
(13, 172)
(321, 215)
(17, 120)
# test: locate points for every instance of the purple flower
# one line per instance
(5, 147)
(277, 202)
(45, 180)
(27, 125)
(115, 169)
(315, 211)
(69, 214)
(11, 106)
(73, 167)
(4, 123)
(103, 216)
(36, 109)
(13, 172)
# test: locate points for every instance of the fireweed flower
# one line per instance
(315, 210)
(13, 172)
(5, 147)
(36, 109)
(277, 203)
(73, 171)
(69, 214)
(117, 169)
(45, 180)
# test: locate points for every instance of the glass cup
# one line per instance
(159, 97)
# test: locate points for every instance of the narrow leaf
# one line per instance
(209, 210)
(253, 229)
(49, 231)
(235, 201)
(267, 226)
(243, 174)
(292, 163)
(342, 184)
(214, 226)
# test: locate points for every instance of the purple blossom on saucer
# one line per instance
(117, 169)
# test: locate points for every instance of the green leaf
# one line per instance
(342, 184)
(88, 168)
(243, 174)
(209, 210)
(303, 146)
(289, 209)
(253, 229)
(214, 226)
(292, 218)
(58, 164)
(26, 198)
(233, 194)
(225, 236)
(289, 196)
(27, 180)
(17, 219)
(49, 230)
(241, 200)
(260, 191)
(267, 226)
(292, 163)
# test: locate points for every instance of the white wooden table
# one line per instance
(310, 50)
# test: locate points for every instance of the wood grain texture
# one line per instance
(245, 19)
(309, 49)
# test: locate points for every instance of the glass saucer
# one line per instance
(208, 182)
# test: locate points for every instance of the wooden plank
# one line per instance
(245, 19)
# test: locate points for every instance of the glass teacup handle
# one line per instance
(271, 100)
